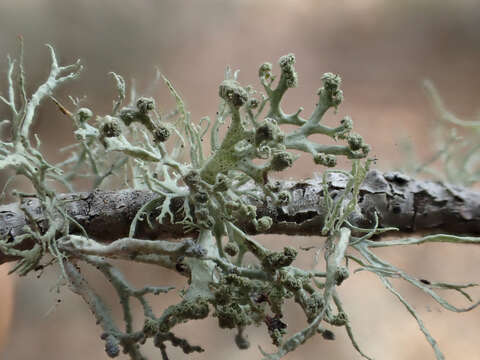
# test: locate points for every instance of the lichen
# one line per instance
(163, 153)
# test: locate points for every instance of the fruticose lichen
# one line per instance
(147, 149)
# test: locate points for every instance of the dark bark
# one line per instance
(408, 204)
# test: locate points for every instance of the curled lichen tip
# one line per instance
(347, 123)
(203, 217)
(341, 274)
(283, 198)
(110, 127)
(233, 93)
(263, 224)
(331, 89)
(150, 327)
(145, 104)
(222, 183)
(281, 160)
(192, 179)
(84, 114)
(365, 149)
(112, 347)
(355, 141)
(325, 160)
(276, 260)
(287, 63)
(266, 131)
(340, 319)
(252, 103)
(161, 134)
(231, 249)
(331, 81)
(128, 115)
(265, 70)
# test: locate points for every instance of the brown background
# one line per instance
(382, 49)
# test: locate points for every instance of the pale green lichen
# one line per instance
(148, 150)
(453, 144)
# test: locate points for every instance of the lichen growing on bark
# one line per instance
(209, 196)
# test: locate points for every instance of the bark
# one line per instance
(408, 204)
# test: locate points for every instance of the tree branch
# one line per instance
(399, 201)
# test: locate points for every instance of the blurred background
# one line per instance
(382, 49)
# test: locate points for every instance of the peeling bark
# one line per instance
(410, 205)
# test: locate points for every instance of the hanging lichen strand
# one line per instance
(147, 150)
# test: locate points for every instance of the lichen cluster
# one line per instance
(164, 153)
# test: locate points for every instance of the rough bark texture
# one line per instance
(408, 204)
